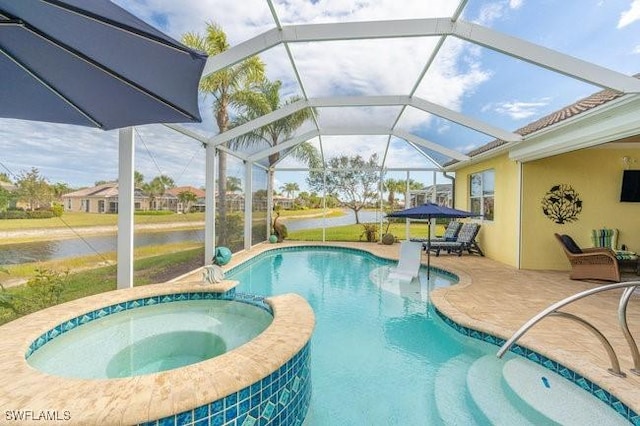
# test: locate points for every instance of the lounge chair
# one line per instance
(450, 233)
(409, 263)
(466, 240)
(609, 238)
(597, 263)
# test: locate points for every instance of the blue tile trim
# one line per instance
(385, 261)
(550, 364)
(281, 398)
(87, 317)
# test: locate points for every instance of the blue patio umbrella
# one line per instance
(92, 63)
(430, 211)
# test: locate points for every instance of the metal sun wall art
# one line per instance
(562, 204)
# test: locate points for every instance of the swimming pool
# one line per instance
(380, 357)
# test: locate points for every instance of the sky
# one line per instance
(467, 78)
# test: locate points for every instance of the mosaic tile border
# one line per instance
(276, 250)
(550, 364)
(96, 314)
(281, 398)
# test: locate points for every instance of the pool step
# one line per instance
(451, 394)
(555, 397)
(496, 402)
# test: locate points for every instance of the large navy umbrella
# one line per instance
(91, 63)
(430, 211)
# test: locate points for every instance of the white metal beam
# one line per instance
(284, 145)
(244, 50)
(421, 104)
(258, 122)
(126, 204)
(424, 154)
(464, 120)
(355, 131)
(358, 101)
(187, 132)
(209, 203)
(546, 58)
(477, 34)
(430, 145)
(248, 204)
(328, 32)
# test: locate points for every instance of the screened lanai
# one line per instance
(418, 84)
(404, 83)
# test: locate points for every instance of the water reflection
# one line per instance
(60, 249)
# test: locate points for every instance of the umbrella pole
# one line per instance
(429, 251)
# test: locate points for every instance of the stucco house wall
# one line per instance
(497, 238)
(596, 175)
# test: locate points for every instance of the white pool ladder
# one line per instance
(629, 287)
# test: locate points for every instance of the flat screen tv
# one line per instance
(630, 186)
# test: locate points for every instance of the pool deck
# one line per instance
(497, 299)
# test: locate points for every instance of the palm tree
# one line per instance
(225, 86)
(262, 101)
(158, 186)
(290, 189)
(234, 184)
(138, 179)
(392, 186)
(187, 198)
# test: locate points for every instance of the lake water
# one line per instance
(40, 251)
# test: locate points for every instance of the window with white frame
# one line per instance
(481, 193)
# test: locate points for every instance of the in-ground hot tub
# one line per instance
(151, 338)
(263, 381)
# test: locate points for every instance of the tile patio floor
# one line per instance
(497, 299)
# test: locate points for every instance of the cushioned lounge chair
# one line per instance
(409, 263)
(597, 263)
(606, 237)
(450, 233)
(466, 240)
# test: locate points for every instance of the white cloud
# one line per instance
(636, 50)
(370, 67)
(630, 16)
(518, 110)
(515, 4)
(493, 11)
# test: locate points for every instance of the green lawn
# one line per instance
(78, 219)
(85, 283)
(355, 232)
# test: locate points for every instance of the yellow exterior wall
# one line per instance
(596, 175)
(498, 238)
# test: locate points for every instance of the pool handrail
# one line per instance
(629, 286)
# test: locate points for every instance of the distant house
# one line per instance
(284, 202)
(9, 187)
(101, 199)
(440, 194)
(198, 205)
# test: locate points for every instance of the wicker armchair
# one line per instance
(598, 263)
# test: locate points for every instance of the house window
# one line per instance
(481, 193)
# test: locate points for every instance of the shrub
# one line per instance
(39, 214)
(57, 209)
(370, 231)
(13, 214)
(7, 300)
(46, 288)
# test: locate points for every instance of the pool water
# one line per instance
(382, 357)
(151, 339)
